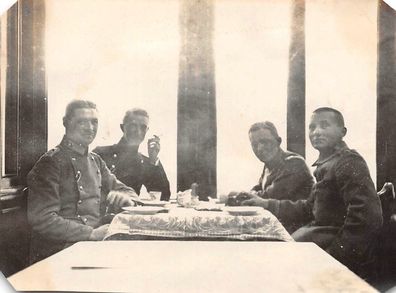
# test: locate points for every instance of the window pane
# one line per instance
(341, 61)
(251, 54)
(119, 54)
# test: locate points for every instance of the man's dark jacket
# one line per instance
(343, 210)
(134, 169)
(68, 187)
(289, 178)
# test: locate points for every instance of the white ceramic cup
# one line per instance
(155, 195)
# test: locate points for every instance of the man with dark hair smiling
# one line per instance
(131, 167)
(343, 213)
(70, 188)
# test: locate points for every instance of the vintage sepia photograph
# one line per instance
(198, 145)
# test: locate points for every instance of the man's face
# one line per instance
(82, 127)
(135, 129)
(324, 131)
(264, 144)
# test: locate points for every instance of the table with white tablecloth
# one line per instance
(189, 224)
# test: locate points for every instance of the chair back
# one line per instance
(388, 201)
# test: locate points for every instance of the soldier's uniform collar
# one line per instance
(75, 147)
(340, 147)
(123, 146)
(276, 161)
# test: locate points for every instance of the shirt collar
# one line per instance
(337, 150)
(123, 146)
(122, 143)
(75, 147)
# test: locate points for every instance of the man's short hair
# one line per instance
(266, 125)
(135, 111)
(337, 114)
(78, 104)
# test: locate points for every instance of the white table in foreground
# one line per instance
(189, 266)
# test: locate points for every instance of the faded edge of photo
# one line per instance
(5, 286)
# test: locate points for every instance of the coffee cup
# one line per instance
(155, 195)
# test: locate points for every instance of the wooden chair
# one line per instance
(386, 267)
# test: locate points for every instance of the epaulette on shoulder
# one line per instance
(352, 153)
(103, 149)
(294, 157)
(52, 152)
(94, 154)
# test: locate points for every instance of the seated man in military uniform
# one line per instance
(130, 166)
(285, 174)
(70, 188)
(343, 213)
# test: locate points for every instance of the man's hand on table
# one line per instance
(116, 200)
(255, 200)
(237, 198)
(99, 233)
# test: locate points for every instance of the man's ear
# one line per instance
(122, 127)
(344, 131)
(65, 120)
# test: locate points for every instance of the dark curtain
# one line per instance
(32, 84)
(196, 116)
(386, 139)
(386, 95)
(25, 126)
(296, 81)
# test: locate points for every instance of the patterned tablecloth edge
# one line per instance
(121, 226)
(180, 235)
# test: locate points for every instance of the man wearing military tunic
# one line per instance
(131, 167)
(343, 213)
(285, 174)
(70, 188)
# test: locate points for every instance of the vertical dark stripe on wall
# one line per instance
(32, 84)
(196, 109)
(386, 95)
(296, 81)
(11, 94)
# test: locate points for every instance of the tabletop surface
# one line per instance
(189, 266)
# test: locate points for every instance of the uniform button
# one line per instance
(73, 159)
(78, 216)
(80, 201)
(115, 155)
(81, 188)
(78, 172)
(98, 171)
(85, 219)
(112, 166)
(141, 161)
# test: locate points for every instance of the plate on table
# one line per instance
(208, 206)
(154, 203)
(243, 211)
(144, 210)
